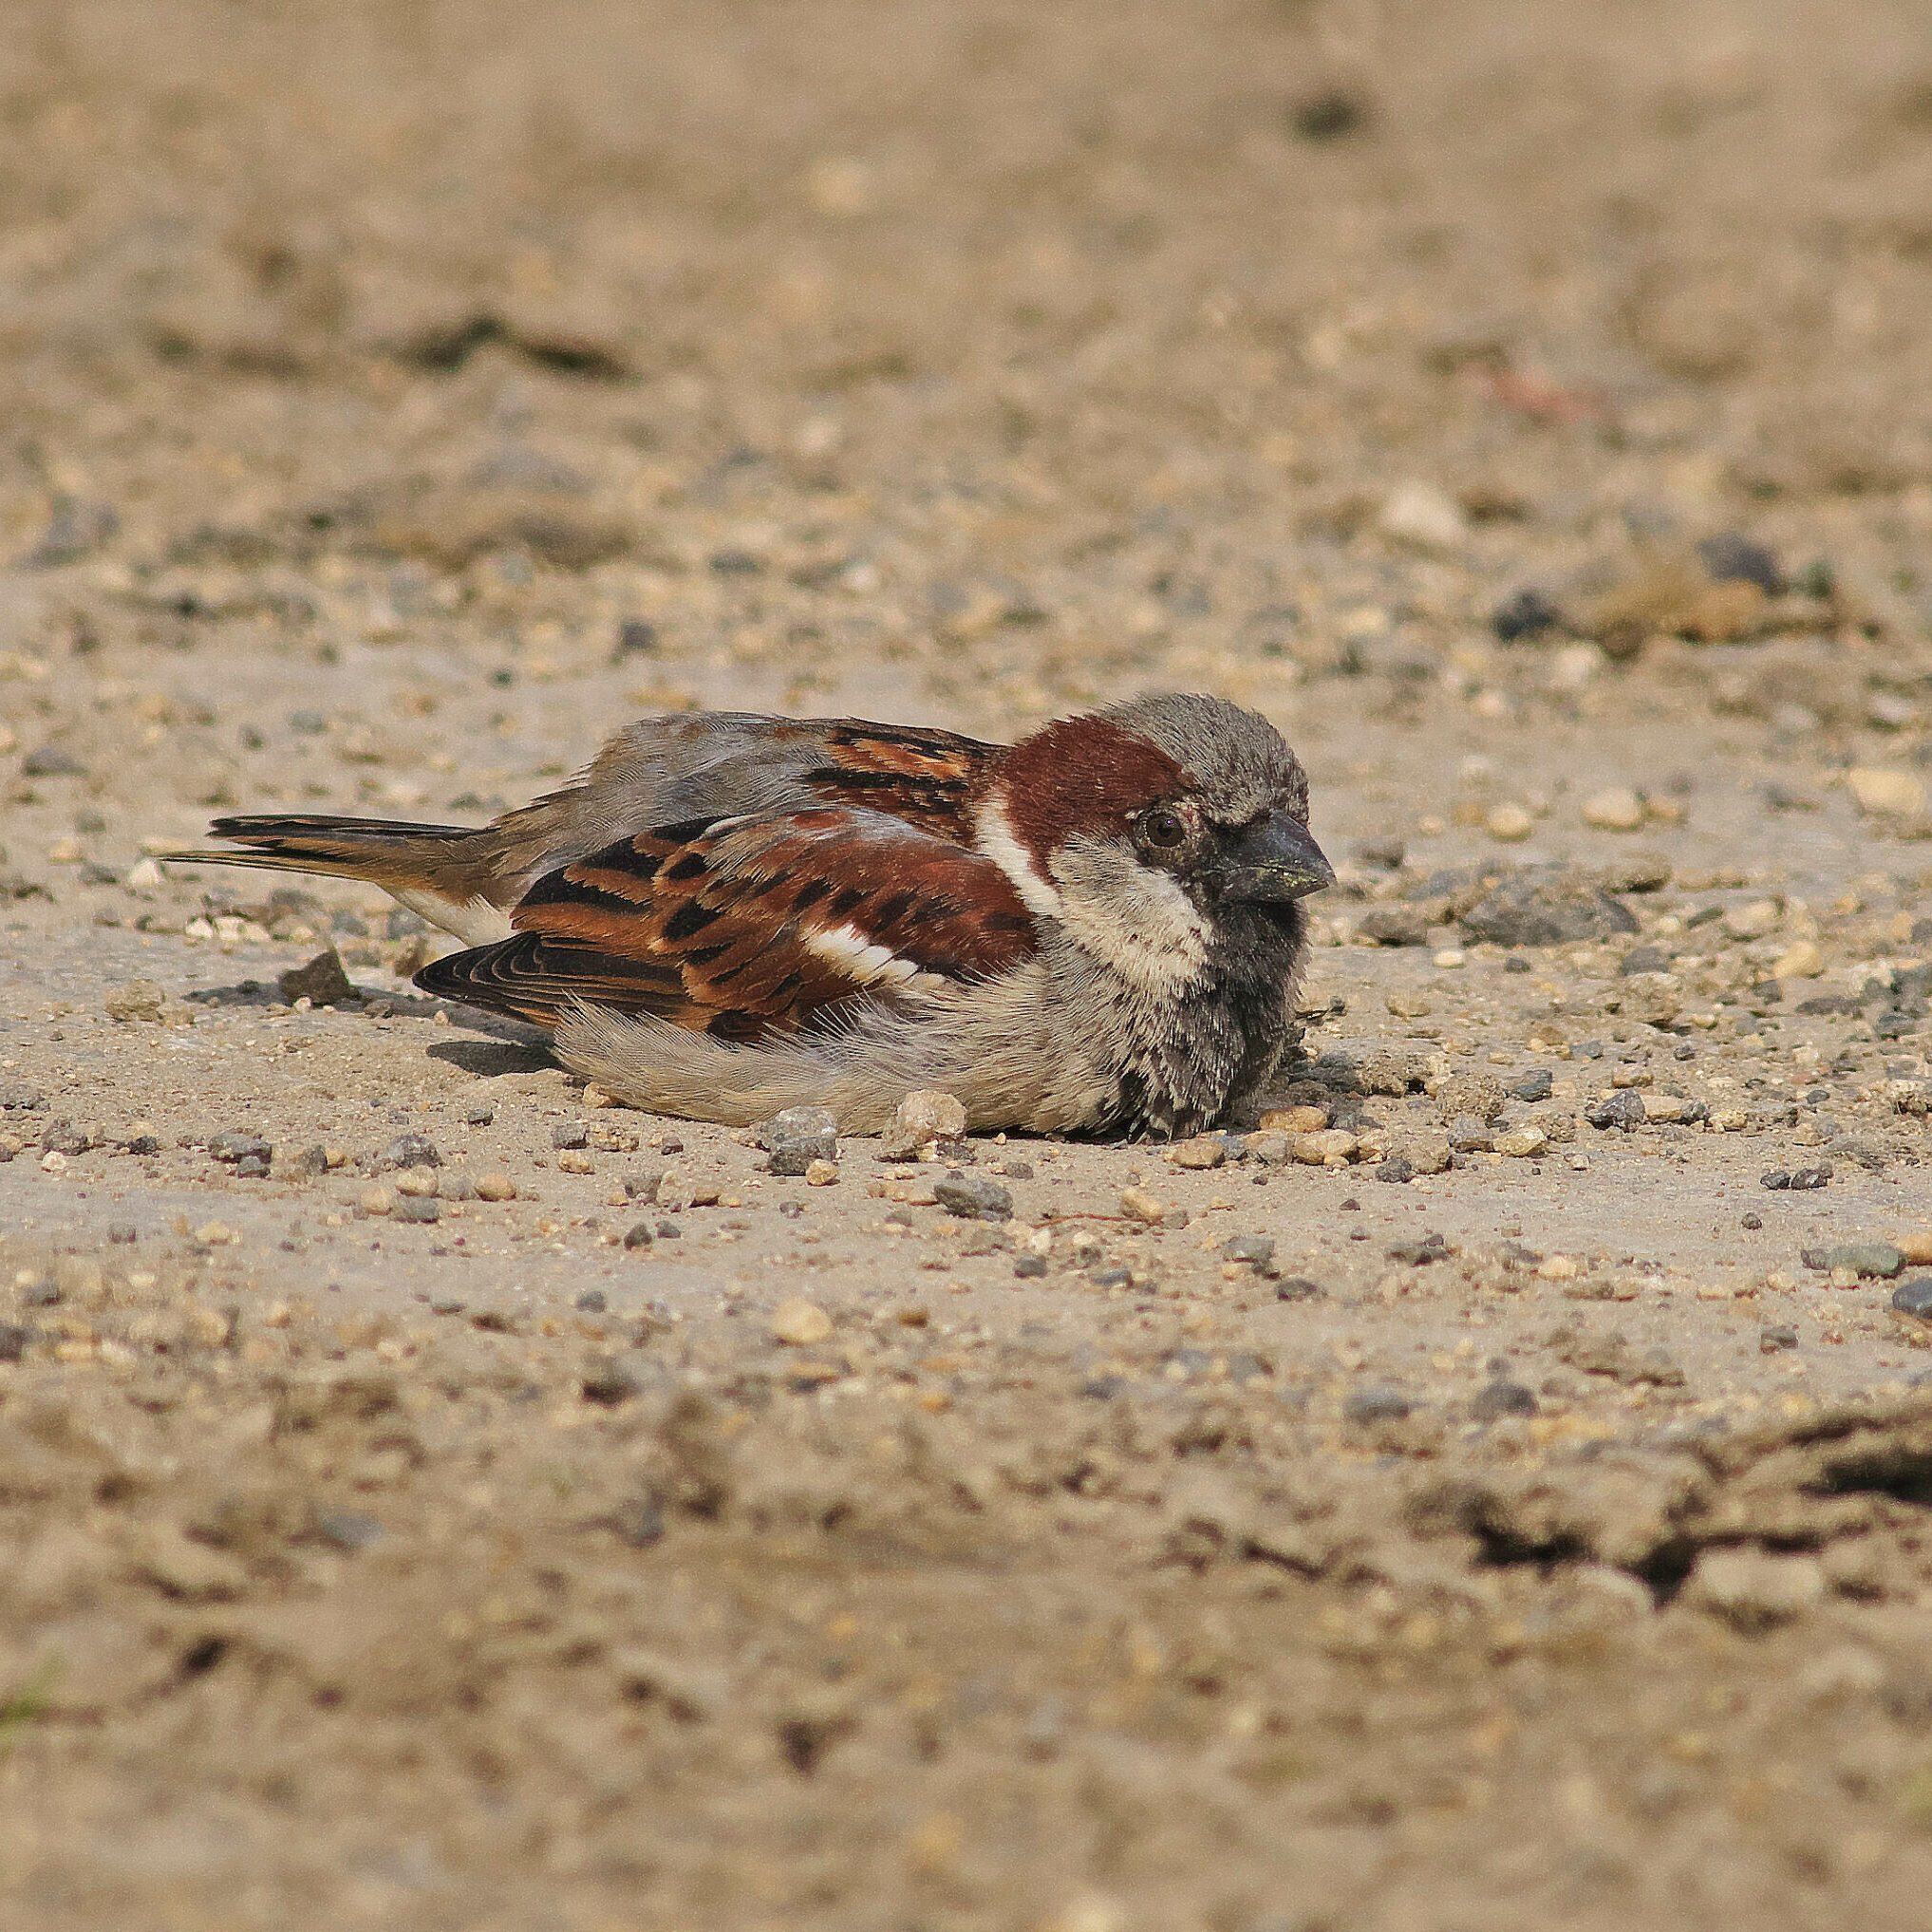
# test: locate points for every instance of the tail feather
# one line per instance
(386, 851)
(443, 871)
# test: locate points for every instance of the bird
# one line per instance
(1097, 930)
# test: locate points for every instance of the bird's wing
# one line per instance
(709, 765)
(748, 927)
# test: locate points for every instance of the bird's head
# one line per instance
(1156, 833)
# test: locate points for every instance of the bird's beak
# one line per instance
(1275, 858)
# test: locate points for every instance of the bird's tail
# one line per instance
(443, 871)
(386, 851)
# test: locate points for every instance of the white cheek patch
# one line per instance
(865, 961)
(996, 842)
(1136, 921)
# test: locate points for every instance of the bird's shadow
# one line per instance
(489, 1059)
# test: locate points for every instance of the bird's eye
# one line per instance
(1163, 829)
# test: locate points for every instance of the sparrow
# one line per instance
(1096, 930)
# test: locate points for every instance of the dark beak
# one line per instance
(1276, 858)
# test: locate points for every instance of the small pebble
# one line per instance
(1375, 1404)
(411, 1149)
(1332, 1147)
(1616, 808)
(1914, 1297)
(1622, 1111)
(322, 982)
(1204, 1150)
(233, 1149)
(822, 1173)
(1256, 1252)
(348, 1530)
(921, 1118)
(799, 1324)
(1867, 1260)
(973, 1197)
(609, 1383)
(797, 1138)
(1803, 960)
(1502, 1397)
(1882, 792)
(496, 1188)
(1508, 824)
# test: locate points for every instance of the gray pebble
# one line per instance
(50, 762)
(1547, 906)
(348, 1530)
(1296, 1288)
(1536, 1085)
(411, 1149)
(973, 1197)
(797, 1138)
(417, 1208)
(1502, 1397)
(322, 982)
(1030, 1266)
(1623, 1110)
(1376, 1403)
(1914, 1297)
(639, 1235)
(570, 1136)
(1252, 1250)
(13, 1341)
(1864, 1258)
(233, 1148)
(480, 1117)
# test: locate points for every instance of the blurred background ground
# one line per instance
(1525, 405)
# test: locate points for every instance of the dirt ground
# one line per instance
(1491, 1494)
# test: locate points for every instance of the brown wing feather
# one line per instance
(929, 778)
(749, 927)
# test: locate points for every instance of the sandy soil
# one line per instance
(396, 397)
